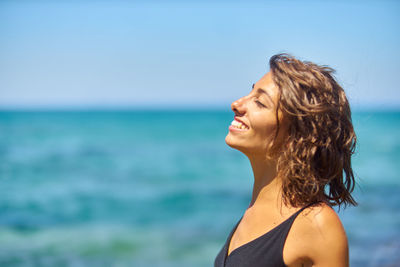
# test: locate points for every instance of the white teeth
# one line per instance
(238, 124)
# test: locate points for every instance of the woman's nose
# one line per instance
(238, 106)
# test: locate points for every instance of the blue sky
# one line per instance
(205, 53)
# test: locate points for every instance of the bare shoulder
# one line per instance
(322, 220)
(318, 238)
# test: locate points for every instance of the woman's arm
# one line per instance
(326, 238)
(317, 238)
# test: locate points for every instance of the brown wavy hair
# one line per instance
(315, 156)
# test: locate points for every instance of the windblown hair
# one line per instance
(315, 156)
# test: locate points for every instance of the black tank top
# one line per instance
(266, 250)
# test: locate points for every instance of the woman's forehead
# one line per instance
(267, 84)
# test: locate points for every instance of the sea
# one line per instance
(162, 188)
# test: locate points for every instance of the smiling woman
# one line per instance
(295, 127)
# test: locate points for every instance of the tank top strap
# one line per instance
(300, 210)
(288, 223)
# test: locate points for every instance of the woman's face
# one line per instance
(253, 128)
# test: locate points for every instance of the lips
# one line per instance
(238, 125)
(237, 119)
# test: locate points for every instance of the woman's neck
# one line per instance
(267, 186)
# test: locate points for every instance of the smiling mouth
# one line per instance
(238, 125)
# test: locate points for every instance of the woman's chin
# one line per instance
(243, 146)
(230, 141)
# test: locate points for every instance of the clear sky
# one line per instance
(184, 53)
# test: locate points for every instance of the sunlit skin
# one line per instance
(317, 237)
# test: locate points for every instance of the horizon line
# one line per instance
(144, 107)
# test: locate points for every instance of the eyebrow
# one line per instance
(262, 91)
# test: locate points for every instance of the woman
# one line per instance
(295, 127)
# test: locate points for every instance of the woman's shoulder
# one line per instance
(318, 235)
(320, 217)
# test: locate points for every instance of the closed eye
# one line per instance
(259, 103)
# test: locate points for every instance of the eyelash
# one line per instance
(260, 104)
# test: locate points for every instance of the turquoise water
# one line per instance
(161, 188)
